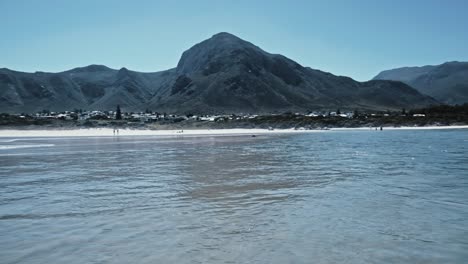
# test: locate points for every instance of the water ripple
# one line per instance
(362, 196)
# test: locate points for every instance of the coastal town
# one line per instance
(434, 116)
(148, 116)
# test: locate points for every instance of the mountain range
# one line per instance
(447, 82)
(223, 74)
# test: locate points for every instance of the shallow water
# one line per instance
(344, 196)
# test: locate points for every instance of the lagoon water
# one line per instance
(328, 197)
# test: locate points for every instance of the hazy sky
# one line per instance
(356, 38)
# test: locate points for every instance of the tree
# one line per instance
(118, 113)
(356, 113)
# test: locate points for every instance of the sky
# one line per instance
(357, 38)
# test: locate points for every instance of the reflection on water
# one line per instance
(354, 197)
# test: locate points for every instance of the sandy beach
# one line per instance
(107, 132)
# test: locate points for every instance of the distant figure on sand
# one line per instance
(114, 131)
(381, 128)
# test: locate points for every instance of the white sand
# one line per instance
(108, 132)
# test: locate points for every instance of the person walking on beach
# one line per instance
(114, 131)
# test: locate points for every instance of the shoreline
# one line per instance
(108, 132)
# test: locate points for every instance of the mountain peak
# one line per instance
(226, 40)
(91, 68)
(220, 45)
(123, 73)
(225, 35)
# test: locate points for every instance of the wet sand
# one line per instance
(106, 132)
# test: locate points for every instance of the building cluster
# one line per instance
(334, 114)
(133, 116)
(146, 117)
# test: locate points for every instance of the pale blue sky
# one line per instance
(356, 38)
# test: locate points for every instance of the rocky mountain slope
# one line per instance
(223, 74)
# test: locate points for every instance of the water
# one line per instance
(331, 197)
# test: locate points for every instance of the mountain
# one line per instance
(92, 87)
(447, 82)
(228, 73)
(223, 74)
